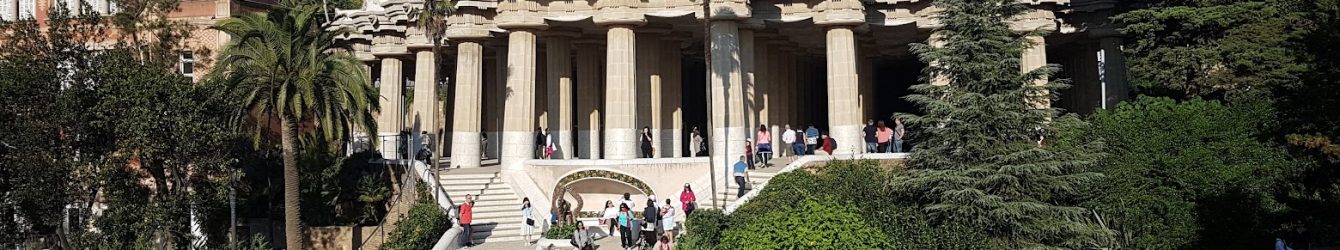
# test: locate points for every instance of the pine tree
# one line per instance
(980, 164)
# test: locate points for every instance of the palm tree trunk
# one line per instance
(292, 223)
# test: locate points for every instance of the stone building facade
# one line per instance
(595, 72)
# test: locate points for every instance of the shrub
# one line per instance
(702, 230)
(421, 228)
(560, 231)
(1187, 174)
(814, 223)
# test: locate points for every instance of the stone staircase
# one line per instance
(497, 211)
(726, 196)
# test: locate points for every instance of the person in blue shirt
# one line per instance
(812, 139)
(741, 175)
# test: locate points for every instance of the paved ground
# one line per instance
(607, 243)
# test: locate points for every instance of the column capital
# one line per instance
(561, 33)
(840, 12)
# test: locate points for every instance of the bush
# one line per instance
(702, 230)
(421, 228)
(560, 231)
(814, 223)
(1187, 175)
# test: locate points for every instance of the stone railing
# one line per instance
(805, 160)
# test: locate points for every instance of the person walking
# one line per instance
(884, 135)
(646, 142)
(828, 144)
(811, 139)
(581, 238)
(741, 176)
(749, 152)
(651, 221)
(898, 132)
(764, 144)
(609, 217)
(549, 147)
(788, 138)
(871, 142)
(467, 214)
(625, 221)
(528, 229)
(540, 142)
(689, 200)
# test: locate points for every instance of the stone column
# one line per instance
(389, 121)
(1034, 58)
(671, 112)
(844, 122)
(589, 94)
(790, 103)
(620, 93)
(648, 90)
(867, 82)
(425, 91)
(519, 110)
(465, 135)
(765, 85)
(751, 93)
(728, 120)
(559, 70)
(1116, 87)
(11, 10)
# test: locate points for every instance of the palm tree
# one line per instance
(292, 77)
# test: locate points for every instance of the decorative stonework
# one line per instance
(603, 174)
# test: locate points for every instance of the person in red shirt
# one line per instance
(466, 216)
(828, 144)
(689, 200)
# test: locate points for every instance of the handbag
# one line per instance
(530, 222)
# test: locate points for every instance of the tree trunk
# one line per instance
(292, 216)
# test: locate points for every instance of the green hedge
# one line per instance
(811, 224)
(422, 227)
(702, 230)
(560, 231)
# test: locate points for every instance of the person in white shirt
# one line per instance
(628, 201)
(610, 215)
(668, 219)
(788, 138)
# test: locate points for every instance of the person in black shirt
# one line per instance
(871, 142)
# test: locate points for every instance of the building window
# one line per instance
(186, 65)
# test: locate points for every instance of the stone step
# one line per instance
(484, 192)
(515, 214)
(450, 181)
(452, 176)
(475, 187)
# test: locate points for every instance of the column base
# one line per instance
(621, 144)
(719, 145)
(388, 144)
(466, 150)
(848, 139)
(517, 147)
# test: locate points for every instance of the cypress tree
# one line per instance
(980, 163)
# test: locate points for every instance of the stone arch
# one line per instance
(565, 185)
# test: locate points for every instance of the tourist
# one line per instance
(871, 142)
(528, 229)
(696, 142)
(811, 139)
(646, 142)
(788, 138)
(898, 133)
(663, 244)
(549, 146)
(741, 176)
(628, 201)
(651, 220)
(466, 216)
(483, 145)
(764, 144)
(689, 200)
(581, 238)
(749, 152)
(828, 144)
(611, 213)
(799, 145)
(540, 142)
(885, 135)
(668, 219)
(625, 221)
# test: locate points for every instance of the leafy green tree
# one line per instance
(984, 167)
(1214, 49)
(294, 79)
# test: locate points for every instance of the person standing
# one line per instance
(695, 142)
(551, 145)
(625, 221)
(540, 142)
(788, 138)
(811, 139)
(646, 142)
(884, 135)
(898, 132)
(764, 144)
(651, 220)
(689, 200)
(483, 146)
(467, 214)
(528, 229)
(749, 152)
(581, 237)
(799, 145)
(627, 201)
(871, 142)
(668, 219)
(610, 216)
(741, 176)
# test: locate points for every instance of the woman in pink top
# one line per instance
(764, 143)
(690, 201)
(883, 134)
